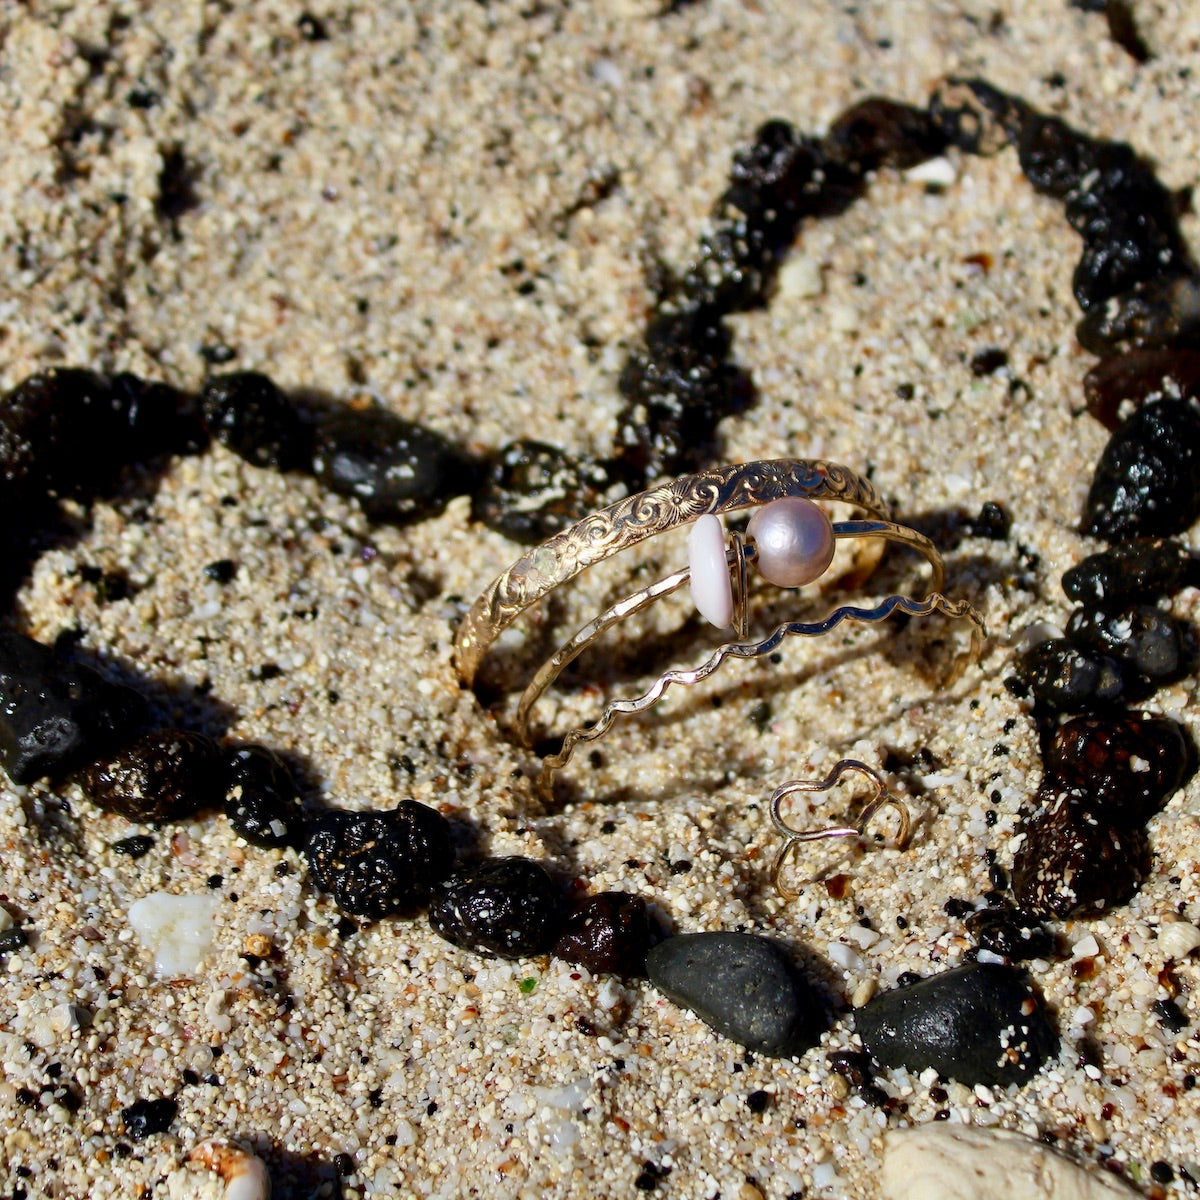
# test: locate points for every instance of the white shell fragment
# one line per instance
(955, 1162)
(1177, 939)
(712, 587)
(177, 930)
(938, 172)
(229, 1173)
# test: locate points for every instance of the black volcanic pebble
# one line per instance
(163, 775)
(1145, 640)
(1132, 379)
(146, 1117)
(979, 1024)
(975, 116)
(1157, 313)
(743, 986)
(261, 801)
(248, 414)
(531, 490)
(1066, 677)
(135, 847)
(69, 431)
(505, 906)
(376, 863)
(1008, 931)
(1074, 860)
(877, 132)
(55, 715)
(1144, 568)
(610, 932)
(1125, 765)
(1147, 483)
(161, 419)
(779, 178)
(676, 391)
(398, 471)
(1113, 200)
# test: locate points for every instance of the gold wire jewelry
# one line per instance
(669, 506)
(880, 799)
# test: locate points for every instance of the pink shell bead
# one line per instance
(795, 541)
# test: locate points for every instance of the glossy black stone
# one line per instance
(1148, 642)
(1073, 859)
(610, 932)
(69, 432)
(1014, 934)
(397, 470)
(1065, 677)
(978, 1024)
(376, 863)
(136, 846)
(162, 776)
(249, 415)
(975, 116)
(261, 801)
(146, 1117)
(743, 986)
(1147, 483)
(56, 715)
(1144, 569)
(531, 490)
(1126, 766)
(510, 907)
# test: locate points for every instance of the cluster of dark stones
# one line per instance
(1084, 846)
(70, 433)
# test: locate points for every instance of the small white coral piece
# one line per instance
(177, 930)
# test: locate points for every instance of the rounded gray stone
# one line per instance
(743, 986)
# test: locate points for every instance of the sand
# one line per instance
(455, 210)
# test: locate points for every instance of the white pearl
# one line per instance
(712, 589)
(795, 541)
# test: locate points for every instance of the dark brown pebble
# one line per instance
(69, 431)
(146, 1117)
(1144, 569)
(1127, 766)
(162, 776)
(1147, 483)
(1158, 313)
(877, 132)
(1072, 860)
(1132, 379)
(610, 932)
